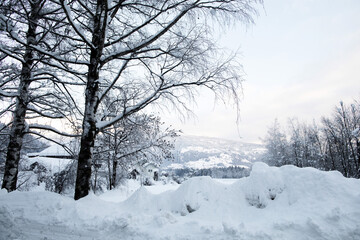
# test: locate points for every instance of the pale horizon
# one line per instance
(301, 58)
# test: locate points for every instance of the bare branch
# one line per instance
(51, 129)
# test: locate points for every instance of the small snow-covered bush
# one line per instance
(263, 185)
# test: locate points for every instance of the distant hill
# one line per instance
(205, 152)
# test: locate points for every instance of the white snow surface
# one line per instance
(272, 203)
(223, 160)
(200, 149)
(52, 164)
(53, 150)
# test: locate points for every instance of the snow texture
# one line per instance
(53, 150)
(272, 203)
(53, 165)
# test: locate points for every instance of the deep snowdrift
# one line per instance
(272, 203)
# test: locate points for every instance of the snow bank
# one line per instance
(272, 203)
(122, 192)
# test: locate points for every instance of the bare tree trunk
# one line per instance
(109, 173)
(95, 179)
(16, 140)
(18, 124)
(114, 173)
(358, 157)
(115, 160)
(83, 176)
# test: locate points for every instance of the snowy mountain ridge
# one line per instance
(206, 152)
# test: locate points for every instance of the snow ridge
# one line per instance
(272, 203)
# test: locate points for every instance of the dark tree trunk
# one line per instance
(83, 175)
(18, 121)
(358, 157)
(114, 160)
(109, 173)
(114, 173)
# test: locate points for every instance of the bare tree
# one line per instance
(277, 145)
(30, 87)
(137, 139)
(305, 145)
(342, 139)
(334, 145)
(146, 51)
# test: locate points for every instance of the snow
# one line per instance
(204, 152)
(53, 165)
(222, 160)
(356, 132)
(50, 158)
(272, 203)
(176, 166)
(121, 193)
(53, 150)
(125, 191)
(199, 149)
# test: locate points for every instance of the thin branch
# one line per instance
(67, 12)
(51, 129)
(54, 141)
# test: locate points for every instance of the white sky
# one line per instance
(301, 58)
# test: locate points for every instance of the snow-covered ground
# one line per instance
(272, 203)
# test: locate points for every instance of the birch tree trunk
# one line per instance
(83, 175)
(18, 121)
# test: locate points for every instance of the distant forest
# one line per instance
(334, 144)
(179, 175)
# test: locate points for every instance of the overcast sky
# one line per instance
(300, 58)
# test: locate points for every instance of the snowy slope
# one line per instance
(204, 152)
(272, 203)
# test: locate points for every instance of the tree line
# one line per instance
(89, 65)
(334, 144)
(181, 174)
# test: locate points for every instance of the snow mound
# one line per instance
(272, 203)
(264, 185)
(121, 193)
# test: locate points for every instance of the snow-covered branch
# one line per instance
(44, 114)
(67, 12)
(8, 94)
(111, 85)
(129, 110)
(11, 54)
(54, 141)
(51, 129)
(150, 40)
(58, 58)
